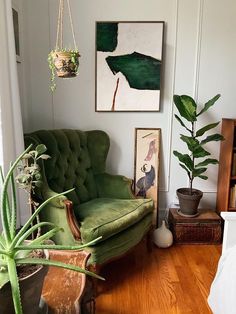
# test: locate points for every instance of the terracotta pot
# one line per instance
(31, 289)
(189, 202)
(65, 68)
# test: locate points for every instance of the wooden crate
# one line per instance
(203, 229)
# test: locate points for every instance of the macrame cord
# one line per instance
(59, 38)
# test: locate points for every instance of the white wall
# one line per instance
(199, 54)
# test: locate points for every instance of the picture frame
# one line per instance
(16, 28)
(129, 63)
(146, 165)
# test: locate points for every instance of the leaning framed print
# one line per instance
(129, 59)
(146, 165)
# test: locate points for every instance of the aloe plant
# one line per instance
(187, 108)
(14, 250)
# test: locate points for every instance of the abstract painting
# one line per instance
(128, 66)
(146, 164)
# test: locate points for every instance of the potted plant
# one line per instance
(189, 198)
(64, 63)
(16, 251)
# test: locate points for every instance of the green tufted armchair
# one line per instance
(103, 204)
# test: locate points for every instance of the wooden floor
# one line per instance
(166, 281)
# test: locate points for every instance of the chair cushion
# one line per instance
(106, 217)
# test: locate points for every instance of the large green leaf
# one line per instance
(186, 107)
(201, 131)
(141, 71)
(203, 177)
(186, 169)
(197, 172)
(185, 159)
(107, 33)
(209, 104)
(182, 123)
(200, 152)
(191, 142)
(206, 162)
(211, 138)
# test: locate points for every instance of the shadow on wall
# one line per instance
(114, 157)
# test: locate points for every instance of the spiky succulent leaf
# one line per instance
(40, 261)
(4, 194)
(186, 107)
(206, 162)
(206, 128)
(212, 138)
(209, 104)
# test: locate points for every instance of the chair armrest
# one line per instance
(60, 211)
(114, 186)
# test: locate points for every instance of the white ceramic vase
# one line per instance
(162, 236)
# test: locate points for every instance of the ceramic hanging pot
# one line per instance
(162, 236)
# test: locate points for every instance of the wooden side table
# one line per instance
(63, 289)
(203, 229)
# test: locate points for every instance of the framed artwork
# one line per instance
(129, 58)
(146, 165)
(16, 29)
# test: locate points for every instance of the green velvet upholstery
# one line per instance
(103, 204)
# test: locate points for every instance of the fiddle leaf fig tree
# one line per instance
(14, 249)
(196, 138)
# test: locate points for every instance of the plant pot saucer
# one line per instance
(187, 216)
(43, 307)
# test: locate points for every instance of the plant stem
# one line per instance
(191, 176)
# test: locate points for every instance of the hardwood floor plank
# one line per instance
(167, 281)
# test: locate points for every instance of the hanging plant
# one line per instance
(63, 62)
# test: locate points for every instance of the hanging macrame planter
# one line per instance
(63, 62)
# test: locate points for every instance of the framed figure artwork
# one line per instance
(129, 59)
(146, 165)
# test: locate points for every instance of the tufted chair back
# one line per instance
(76, 157)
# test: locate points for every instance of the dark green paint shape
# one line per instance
(141, 71)
(107, 36)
